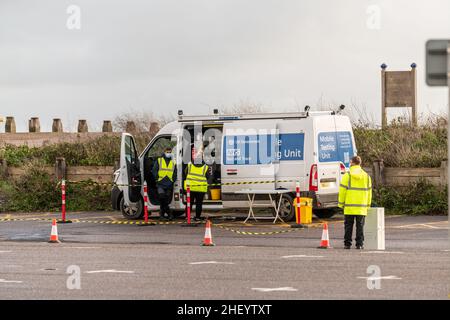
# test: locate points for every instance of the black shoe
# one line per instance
(347, 247)
(360, 247)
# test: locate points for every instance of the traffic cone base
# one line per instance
(54, 233)
(325, 242)
(207, 241)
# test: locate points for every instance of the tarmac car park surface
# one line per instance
(167, 261)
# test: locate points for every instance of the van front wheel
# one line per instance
(287, 212)
(132, 211)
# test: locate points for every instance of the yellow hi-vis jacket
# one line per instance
(355, 192)
(196, 177)
(165, 170)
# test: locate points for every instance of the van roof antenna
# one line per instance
(307, 110)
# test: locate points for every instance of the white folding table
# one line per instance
(251, 201)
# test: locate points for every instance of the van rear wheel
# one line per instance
(287, 210)
(133, 211)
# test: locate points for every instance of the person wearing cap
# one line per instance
(197, 176)
(165, 173)
(355, 197)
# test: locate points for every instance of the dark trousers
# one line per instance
(348, 222)
(164, 197)
(197, 199)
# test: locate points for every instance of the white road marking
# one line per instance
(210, 262)
(381, 278)
(109, 271)
(5, 251)
(83, 247)
(275, 289)
(9, 281)
(429, 225)
(300, 256)
(381, 251)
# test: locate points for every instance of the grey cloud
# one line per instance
(165, 54)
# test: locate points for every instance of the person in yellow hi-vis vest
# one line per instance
(355, 197)
(197, 176)
(165, 173)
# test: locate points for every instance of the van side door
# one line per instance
(291, 154)
(249, 151)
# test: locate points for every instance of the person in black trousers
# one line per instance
(165, 173)
(197, 196)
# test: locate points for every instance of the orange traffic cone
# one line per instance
(325, 242)
(54, 233)
(207, 241)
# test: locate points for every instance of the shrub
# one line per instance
(420, 197)
(36, 190)
(402, 145)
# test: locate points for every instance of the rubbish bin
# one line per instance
(215, 194)
(306, 205)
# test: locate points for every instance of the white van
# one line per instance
(311, 148)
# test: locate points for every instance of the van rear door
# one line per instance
(335, 149)
(345, 139)
(249, 151)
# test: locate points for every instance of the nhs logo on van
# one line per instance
(335, 146)
(263, 149)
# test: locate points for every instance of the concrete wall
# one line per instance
(39, 139)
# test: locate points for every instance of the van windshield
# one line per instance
(335, 146)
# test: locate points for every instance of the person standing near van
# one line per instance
(165, 173)
(197, 176)
(355, 197)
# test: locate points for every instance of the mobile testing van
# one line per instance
(278, 150)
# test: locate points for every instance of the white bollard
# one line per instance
(374, 229)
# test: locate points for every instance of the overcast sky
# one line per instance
(162, 55)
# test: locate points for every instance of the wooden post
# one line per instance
(414, 95)
(82, 126)
(383, 96)
(444, 173)
(10, 125)
(3, 168)
(107, 126)
(60, 168)
(378, 173)
(116, 165)
(57, 125)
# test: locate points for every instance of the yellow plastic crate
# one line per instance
(305, 210)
